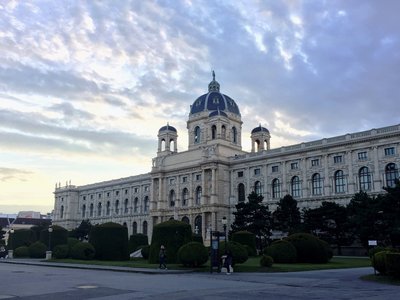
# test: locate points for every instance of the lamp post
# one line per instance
(10, 238)
(48, 252)
(224, 221)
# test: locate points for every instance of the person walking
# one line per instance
(228, 261)
(162, 258)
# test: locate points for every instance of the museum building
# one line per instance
(203, 184)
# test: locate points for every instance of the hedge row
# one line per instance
(387, 262)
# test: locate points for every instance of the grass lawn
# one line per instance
(251, 265)
(381, 279)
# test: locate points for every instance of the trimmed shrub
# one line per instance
(282, 252)
(110, 240)
(59, 236)
(61, 251)
(393, 264)
(71, 242)
(136, 240)
(22, 251)
(22, 237)
(245, 238)
(173, 235)
(37, 250)
(197, 238)
(379, 261)
(250, 251)
(375, 250)
(239, 252)
(83, 250)
(145, 251)
(328, 249)
(266, 261)
(309, 248)
(193, 254)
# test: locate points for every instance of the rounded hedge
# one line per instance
(59, 236)
(37, 250)
(282, 252)
(197, 238)
(22, 251)
(83, 250)
(379, 261)
(145, 251)
(245, 238)
(21, 237)
(309, 248)
(110, 241)
(266, 261)
(60, 251)
(193, 254)
(239, 252)
(250, 251)
(393, 264)
(173, 235)
(136, 240)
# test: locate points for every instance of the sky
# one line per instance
(86, 85)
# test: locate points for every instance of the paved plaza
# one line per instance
(29, 281)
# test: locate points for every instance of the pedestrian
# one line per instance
(3, 252)
(163, 257)
(228, 262)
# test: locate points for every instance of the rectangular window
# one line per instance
(117, 193)
(146, 188)
(257, 171)
(362, 155)
(184, 179)
(108, 194)
(314, 162)
(198, 177)
(91, 196)
(389, 151)
(294, 166)
(126, 192)
(84, 197)
(172, 181)
(240, 174)
(275, 168)
(136, 190)
(337, 159)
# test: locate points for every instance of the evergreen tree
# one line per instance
(253, 216)
(287, 217)
(82, 231)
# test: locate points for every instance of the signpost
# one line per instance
(214, 247)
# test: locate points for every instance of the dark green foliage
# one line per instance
(197, 238)
(253, 216)
(21, 237)
(393, 264)
(37, 250)
(379, 262)
(145, 251)
(282, 252)
(61, 251)
(82, 231)
(193, 254)
(22, 251)
(172, 234)
(328, 249)
(110, 241)
(83, 250)
(374, 250)
(37, 229)
(246, 238)
(250, 251)
(239, 252)
(266, 261)
(286, 217)
(59, 236)
(71, 242)
(136, 240)
(309, 248)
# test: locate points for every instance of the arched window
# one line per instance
(197, 225)
(185, 197)
(83, 211)
(198, 195)
(365, 179)
(91, 208)
(296, 187)
(186, 220)
(234, 135)
(62, 211)
(223, 131)
(146, 204)
(134, 227)
(99, 209)
(172, 145)
(172, 198)
(197, 136)
(316, 183)
(276, 188)
(258, 144)
(117, 207)
(136, 205)
(213, 132)
(108, 207)
(126, 206)
(391, 174)
(163, 145)
(145, 227)
(257, 188)
(340, 182)
(241, 193)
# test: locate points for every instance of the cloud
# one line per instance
(8, 174)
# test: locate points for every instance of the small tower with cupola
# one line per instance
(260, 139)
(167, 140)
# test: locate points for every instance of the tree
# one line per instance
(253, 216)
(82, 231)
(287, 217)
(329, 222)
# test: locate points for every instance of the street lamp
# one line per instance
(50, 231)
(224, 221)
(10, 237)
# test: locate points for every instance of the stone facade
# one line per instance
(202, 185)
